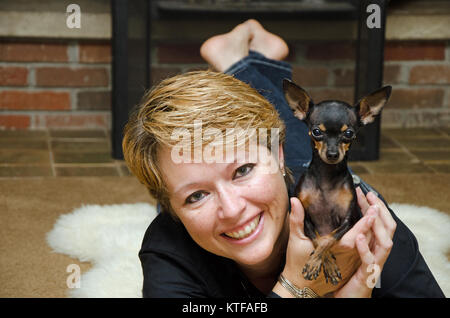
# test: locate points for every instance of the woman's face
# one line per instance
(236, 210)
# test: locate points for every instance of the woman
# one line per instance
(228, 227)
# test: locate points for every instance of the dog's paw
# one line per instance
(330, 269)
(312, 268)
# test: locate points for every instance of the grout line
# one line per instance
(411, 154)
(85, 165)
(50, 152)
(431, 168)
(402, 147)
(79, 139)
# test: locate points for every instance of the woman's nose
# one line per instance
(231, 202)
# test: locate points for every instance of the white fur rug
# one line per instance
(110, 236)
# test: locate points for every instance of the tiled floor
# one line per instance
(415, 150)
(58, 153)
(88, 153)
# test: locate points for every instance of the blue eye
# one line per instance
(195, 197)
(243, 170)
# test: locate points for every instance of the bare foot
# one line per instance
(222, 51)
(268, 44)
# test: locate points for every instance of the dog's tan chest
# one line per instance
(327, 208)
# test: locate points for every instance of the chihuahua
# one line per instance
(326, 189)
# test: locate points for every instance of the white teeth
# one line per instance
(246, 231)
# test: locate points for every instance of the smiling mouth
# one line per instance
(247, 231)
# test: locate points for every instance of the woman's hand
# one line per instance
(373, 248)
(298, 250)
(366, 245)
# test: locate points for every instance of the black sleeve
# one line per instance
(174, 266)
(405, 273)
(167, 277)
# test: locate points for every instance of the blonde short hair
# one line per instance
(218, 100)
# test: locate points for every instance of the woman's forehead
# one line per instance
(208, 155)
(176, 171)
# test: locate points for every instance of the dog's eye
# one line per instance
(316, 132)
(349, 134)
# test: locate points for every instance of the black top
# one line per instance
(175, 266)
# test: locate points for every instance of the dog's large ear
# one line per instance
(371, 105)
(297, 98)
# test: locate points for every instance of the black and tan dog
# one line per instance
(326, 190)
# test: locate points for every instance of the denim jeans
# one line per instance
(266, 76)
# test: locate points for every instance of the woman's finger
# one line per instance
(370, 269)
(297, 217)
(364, 252)
(383, 240)
(385, 215)
(363, 226)
(362, 200)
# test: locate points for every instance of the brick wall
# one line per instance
(419, 72)
(55, 85)
(68, 84)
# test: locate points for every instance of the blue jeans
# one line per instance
(266, 76)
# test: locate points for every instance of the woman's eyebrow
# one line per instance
(182, 187)
(191, 184)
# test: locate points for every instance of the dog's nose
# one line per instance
(332, 155)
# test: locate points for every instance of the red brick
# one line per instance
(13, 76)
(391, 74)
(320, 94)
(94, 100)
(24, 100)
(95, 53)
(68, 77)
(344, 77)
(330, 51)
(430, 74)
(14, 121)
(416, 98)
(179, 53)
(73, 121)
(33, 52)
(310, 76)
(408, 51)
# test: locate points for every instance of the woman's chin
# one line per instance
(255, 258)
